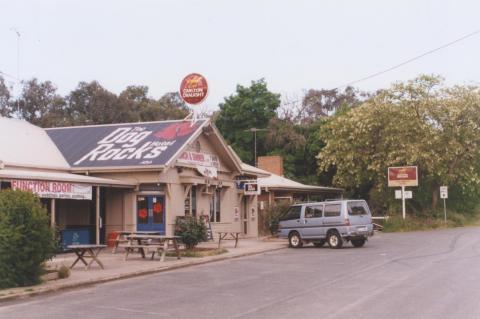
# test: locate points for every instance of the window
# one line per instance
(314, 211)
(332, 210)
(292, 213)
(215, 206)
(357, 209)
(191, 202)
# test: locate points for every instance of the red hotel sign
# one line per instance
(402, 176)
(194, 88)
(47, 189)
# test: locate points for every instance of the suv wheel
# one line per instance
(334, 240)
(358, 242)
(294, 240)
(319, 243)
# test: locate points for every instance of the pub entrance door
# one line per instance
(151, 213)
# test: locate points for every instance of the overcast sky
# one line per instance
(294, 45)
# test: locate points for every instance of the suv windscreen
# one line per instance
(357, 208)
(292, 213)
(332, 210)
(313, 211)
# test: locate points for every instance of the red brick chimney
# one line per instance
(272, 164)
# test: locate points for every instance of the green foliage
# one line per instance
(63, 272)
(191, 230)
(198, 253)
(420, 123)
(428, 221)
(26, 240)
(272, 216)
(89, 103)
(250, 107)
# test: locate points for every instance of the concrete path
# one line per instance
(117, 268)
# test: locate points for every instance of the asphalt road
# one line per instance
(412, 275)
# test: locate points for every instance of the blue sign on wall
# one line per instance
(77, 236)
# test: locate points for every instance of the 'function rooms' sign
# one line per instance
(47, 189)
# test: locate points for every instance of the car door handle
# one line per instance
(298, 220)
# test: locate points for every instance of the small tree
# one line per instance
(272, 216)
(26, 240)
(191, 230)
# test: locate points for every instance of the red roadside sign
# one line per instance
(402, 176)
(194, 88)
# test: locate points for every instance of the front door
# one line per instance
(151, 213)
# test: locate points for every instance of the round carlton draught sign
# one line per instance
(194, 88)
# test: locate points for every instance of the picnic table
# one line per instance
(227, 236)
(151, 244)
(122, 237)
(87, 251)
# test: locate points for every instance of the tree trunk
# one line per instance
(434, 198)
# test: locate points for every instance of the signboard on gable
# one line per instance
(123, 145)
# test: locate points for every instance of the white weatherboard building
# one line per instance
(95, 180)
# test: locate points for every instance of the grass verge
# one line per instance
(199, 252)
(415, 223)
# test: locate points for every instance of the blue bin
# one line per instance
(75, 236)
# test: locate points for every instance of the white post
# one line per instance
(403, 202)
(97, 215)
(445, 211)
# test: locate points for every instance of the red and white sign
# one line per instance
(46, 189)
(194, 88)
(402, 176)
(195, 158)
(251, 189)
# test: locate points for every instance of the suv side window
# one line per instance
(292, 213)
(357, 208)
(332, 210)
(314, 211)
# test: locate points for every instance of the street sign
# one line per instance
(402, 176)
(398, 194)
(443, 191)
(194, 89)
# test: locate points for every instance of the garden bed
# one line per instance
(199, 252)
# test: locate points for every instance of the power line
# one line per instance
(410, 60)
(9, 75)
(402, 63)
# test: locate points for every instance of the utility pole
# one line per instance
(254, 130)
(14, 29)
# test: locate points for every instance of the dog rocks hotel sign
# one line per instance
(123, 144)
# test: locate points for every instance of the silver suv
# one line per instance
(334, 222)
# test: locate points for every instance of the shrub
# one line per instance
(272, 217)
(191, 230)
(26, 239)
(63, 272)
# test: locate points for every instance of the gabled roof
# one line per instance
(27, 145)
(127, 145)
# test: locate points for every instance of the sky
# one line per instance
(295, 45)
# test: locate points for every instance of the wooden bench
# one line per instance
(151, 243)
(227, 236)
(145, 249)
